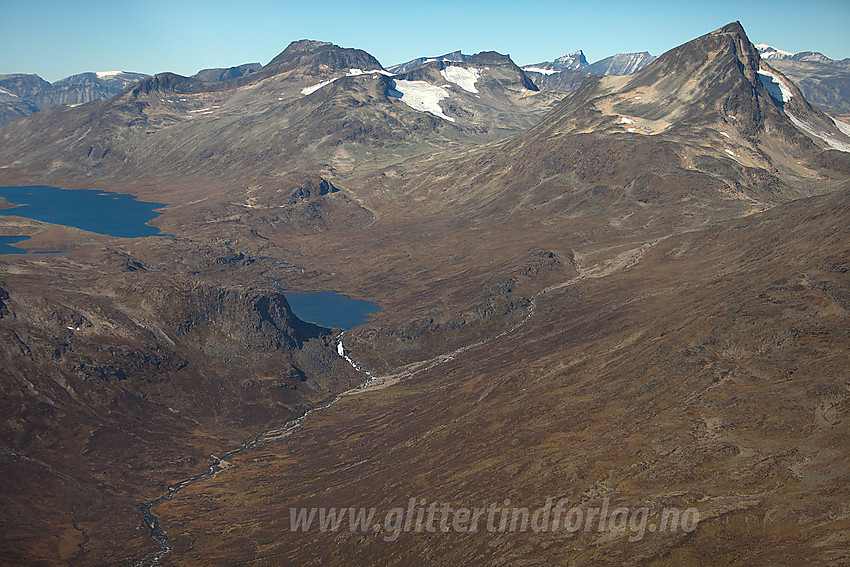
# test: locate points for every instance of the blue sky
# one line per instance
(56, 39)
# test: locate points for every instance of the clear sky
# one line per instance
(56, 39)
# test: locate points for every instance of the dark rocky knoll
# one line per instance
(226, 74)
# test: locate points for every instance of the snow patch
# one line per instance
(356, 72)
(107, 74)
(725, 134)
(831, 141)
(770, 52)
(631, 130)
(730, 152)
(775, 86)
(540, 70)
(351, 73)
(421, 96)
(4, 91)
(311, 89)
(625, 120)
(462, 77)
(843, 126)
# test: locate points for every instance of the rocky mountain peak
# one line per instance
(715, 56)
(320, 56)
(489, 58)
(486, 58)
(454, 56)
(303, 46)
(23, 85)
(573, 61)
(709, 81)
(735, 28)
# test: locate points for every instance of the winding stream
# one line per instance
(372, 382)
(152, 521)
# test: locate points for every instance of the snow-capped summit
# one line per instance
(769, 52)
(107, 74)
(574, 60)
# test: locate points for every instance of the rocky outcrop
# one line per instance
(486, 58)
(162, 338)
(222, 74)
(257, 320)
(310, 188)
(4, 297)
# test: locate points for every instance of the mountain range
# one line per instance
(772, 53)
(632, 296)
(825, 81)
(21, 95)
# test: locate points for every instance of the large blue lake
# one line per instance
(330, 309)
(113, 214)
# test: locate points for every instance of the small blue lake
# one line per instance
(330, 309)
(113, 214)
(6, 244)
